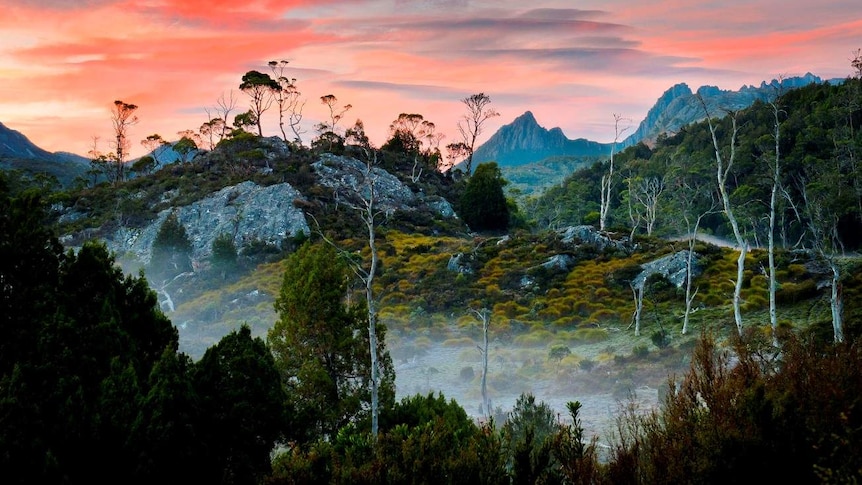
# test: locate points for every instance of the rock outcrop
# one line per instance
(250, 212)
(586, 234)
(346, 177)
(672, 267)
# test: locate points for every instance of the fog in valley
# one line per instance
(451, 364)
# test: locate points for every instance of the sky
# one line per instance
(574, 64)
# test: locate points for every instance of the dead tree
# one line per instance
(722, 170)
(607, 183)
(484, 316)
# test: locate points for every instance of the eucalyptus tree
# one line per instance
(261, 88)
(287, 99)
(336, 114)
(471, 124)
(122, 117)
(483, 315)
(723, 166)
(607, 183)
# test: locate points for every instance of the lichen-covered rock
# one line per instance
(460, 263)
(346, 177)
(587, 234)
(250, 212)
(672, 267)
(561, 262)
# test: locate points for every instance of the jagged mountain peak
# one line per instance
(525, 141)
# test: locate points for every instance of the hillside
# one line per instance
(17, 152)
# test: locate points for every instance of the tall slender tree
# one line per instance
(471, 124)
(122, 117)
(607, 183)
(261, 89)
(723, 166)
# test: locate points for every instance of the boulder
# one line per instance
(250, 212)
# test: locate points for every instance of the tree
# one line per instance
(122, 117)
(694, 202)
(171, 251)
(472, 123)
(211, 133)
(244, 121)
(242, 397)
(187, 145)
(608, 179)
(722, 170)
(455, 152)
(287, 98)
(319, 344)
(773, 202)
(144, 165)
(527, 427)
(483, 204)
(826, 202)
(224, 254)
(223, 108)
(327, 131)
(261, 89)
(484, 316)
(153, 143)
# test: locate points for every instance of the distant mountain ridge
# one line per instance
(13, 144)
(17, 152)
(524, 141)
(678, 106)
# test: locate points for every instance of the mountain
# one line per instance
(678, 106)
(13, 144)
(524, 141)
(17, 152)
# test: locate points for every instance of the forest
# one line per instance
(94, 387)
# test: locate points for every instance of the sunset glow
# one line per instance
(63, 63)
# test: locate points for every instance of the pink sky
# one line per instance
(64, 62)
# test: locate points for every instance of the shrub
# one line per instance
(590, 335)
(640, 351)
(660, 338)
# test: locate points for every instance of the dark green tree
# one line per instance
(483, 204)
(171, 251)
(243, 415)
(321, 344)
(224, 254)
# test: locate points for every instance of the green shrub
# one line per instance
(640, 351)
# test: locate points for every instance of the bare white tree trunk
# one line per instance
(837, 303)
(689, 295)
(638, 293)
(773, 200)
(608, 179)
(823, 227)
(484, 316)
(722, 172)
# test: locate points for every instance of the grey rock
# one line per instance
(562, 262)
(346, 177)
(459, 263)
(587, 234)
(250, 212)
(672, 267)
